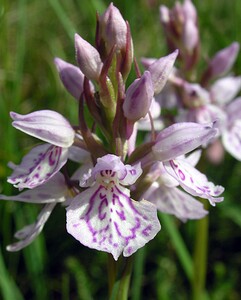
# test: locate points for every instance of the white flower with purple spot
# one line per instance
(104, 217)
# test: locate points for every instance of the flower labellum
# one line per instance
(104, 217)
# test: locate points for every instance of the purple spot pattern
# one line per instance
(112, 221)
(38, 166)
(194, 181)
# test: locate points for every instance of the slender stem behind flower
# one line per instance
(200, 257)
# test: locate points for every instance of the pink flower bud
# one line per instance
(190, 35)
(189, 11)
(113, 28)
(71, 76)
(164, 14)
(161, 69)
(88, 58)
(138, 97)
(223, 61)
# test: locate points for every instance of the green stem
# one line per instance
(125, 279)
(119, 286)
(138, 269)
(200, 258)
(179, 244)
(112, 270)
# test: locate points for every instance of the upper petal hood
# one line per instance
(182, 138)
(46, 125)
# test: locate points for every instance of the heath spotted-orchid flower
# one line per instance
(104, 216)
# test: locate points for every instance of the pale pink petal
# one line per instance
(38, 166)
(30, 232)
(46, 125)
(182, 138)
(54, 190)
(231, 139)
(155, 112)
(79, 155)
(131, 142)
(225, 89)
(234, 110)
(83, 174)
(146, 62)
(110, 162)
(193, 181)
(159, 173)
(132, 174)
(108, 220)
(175, 202)
(194, 157)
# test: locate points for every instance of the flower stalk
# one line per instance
(119, 274)
(200, 258)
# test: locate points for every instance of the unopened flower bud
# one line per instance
(190, 11)
(161, 69)
(223, 61)
(164, 14)
(190, 37)
(138, 97)
(113, 28)
(88, 58)
(71, 77)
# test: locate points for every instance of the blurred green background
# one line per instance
(55, 266)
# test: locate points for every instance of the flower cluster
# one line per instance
(205, 97)
(113, 195)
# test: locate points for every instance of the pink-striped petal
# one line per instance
(38, 166)
(175, 202)
(54, 190)
(30, 232)
(108, 220)
(193, 181)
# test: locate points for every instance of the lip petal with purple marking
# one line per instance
(104, 217)
(193, 181)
